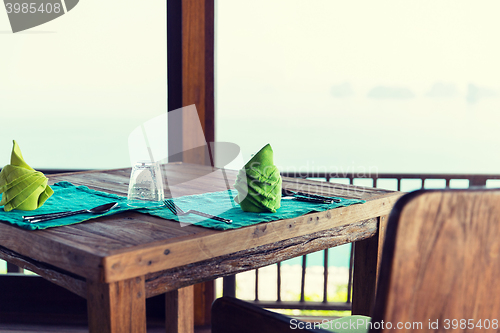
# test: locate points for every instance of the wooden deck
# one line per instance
(47, 328)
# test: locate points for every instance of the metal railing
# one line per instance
(229, 283)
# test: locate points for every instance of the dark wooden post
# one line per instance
(367, 256)
(190, 63)
(11, 268)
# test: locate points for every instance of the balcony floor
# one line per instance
(53, 328)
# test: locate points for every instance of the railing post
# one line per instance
(303, 279)
(325, 276)
(278, 297)
(256, 284)
(229, 285)
(11, 268)
(477, 181)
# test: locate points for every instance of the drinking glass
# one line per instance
(145, 189)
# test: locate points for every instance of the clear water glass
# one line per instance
(145, 188)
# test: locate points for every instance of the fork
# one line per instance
(309, 195)
(179, 212)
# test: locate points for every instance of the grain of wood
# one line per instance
(365, 275)
(441, 260)
(198, 76)
(160, 282)
(73, 283)
(48, 247)
(119, 307)
(179, 310)
(204, 295)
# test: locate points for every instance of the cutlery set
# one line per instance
(176, 210)
(307, 197)
(51, 216)
(179, 212)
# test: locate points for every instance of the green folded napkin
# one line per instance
(23, 187)
(259, 184)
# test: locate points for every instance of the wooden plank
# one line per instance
(174, 74)
(179, 172)
(366, 254)
(161, 282)
(198, 75)
(179, 310)
(124, 232)
(198, 48)
(204, 295)
(46, 247)
(71, 282)
(118, 307)
(382, 230)
(367, 259)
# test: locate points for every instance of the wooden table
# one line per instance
(117, 262)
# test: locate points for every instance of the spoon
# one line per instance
(286, 192)
(45, 217)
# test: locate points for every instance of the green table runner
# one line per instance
(217, 202)
(68, 197)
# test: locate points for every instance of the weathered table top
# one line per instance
(130, 244)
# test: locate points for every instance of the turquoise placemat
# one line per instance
(68, 197)
(221, 204)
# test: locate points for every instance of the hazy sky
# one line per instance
(398, 85)
(404, 86)
(71, 90)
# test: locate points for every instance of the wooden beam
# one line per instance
(198, 88)
(191, 81)
(174, 74)
(179, 310)
(69, 281)
(198, 74)
(159, 282)
(118, 307)
(367, 256)
(204, 295)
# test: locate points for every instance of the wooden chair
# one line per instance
(440, 266)
(231, 315)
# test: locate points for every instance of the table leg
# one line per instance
(204, 296)
(367, 255)
(117, 307)
(179, 310)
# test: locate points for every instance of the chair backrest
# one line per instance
(441, 263)
(231, 315)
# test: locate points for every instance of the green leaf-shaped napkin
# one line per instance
(259, 184)
(23, 188)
